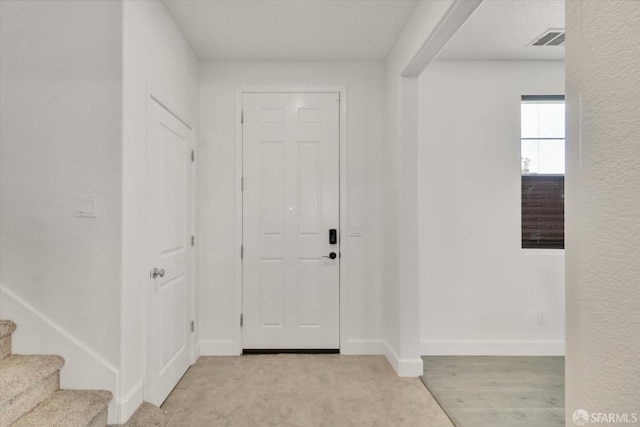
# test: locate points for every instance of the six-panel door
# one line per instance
(290, 202)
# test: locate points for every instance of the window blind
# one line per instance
(543, 211)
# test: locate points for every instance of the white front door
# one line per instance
(291, 199)
(168, 231)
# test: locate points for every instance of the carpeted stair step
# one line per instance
(147, 415)
(6, 329)
(25, 382)
(69, 408)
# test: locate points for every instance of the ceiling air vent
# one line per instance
(551, 37)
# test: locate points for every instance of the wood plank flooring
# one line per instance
(498, 391)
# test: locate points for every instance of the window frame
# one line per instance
(540, 194)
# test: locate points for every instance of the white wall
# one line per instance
(479, 290)
(60, 136)
(218, 249)
(156, 60)
(60, 133)
(602, 206)
(399, 168)
(75, 77)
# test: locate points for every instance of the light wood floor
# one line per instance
(300, 390)
(504, 391)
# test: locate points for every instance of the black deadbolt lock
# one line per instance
(333, 236)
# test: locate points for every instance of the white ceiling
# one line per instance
(291, 30)
(503, 29)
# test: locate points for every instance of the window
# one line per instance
(542, 164)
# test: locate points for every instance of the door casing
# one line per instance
(344, 260)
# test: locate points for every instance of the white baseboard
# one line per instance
(196, 353)
(363, 347)
(84, 368)
(218, 348)
(491, 348)
(131, 401)
(404, 367)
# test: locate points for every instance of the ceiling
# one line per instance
(291, 30)
(503, 29)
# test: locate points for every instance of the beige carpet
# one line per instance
(147, 415)
(300, 390)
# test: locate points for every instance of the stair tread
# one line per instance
(147, 415)
(18, 373)
(6, 328)
(71, 408)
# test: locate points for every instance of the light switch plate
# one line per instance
(355, 229)
(85, 206)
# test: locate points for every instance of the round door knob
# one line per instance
(157, 272)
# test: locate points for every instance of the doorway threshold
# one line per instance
(291, 351)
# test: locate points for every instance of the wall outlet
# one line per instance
(541, 317)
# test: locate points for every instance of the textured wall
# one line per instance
(603, 206)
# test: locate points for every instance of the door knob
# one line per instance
(332, 255)
(155, 273)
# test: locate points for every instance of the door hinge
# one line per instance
(242, 184)
(193, 156)
(241, 320)
(193, 326)
(241, 252)
(193, 240)
(242, 116)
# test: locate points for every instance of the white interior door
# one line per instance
(168, 231)
(290, 202)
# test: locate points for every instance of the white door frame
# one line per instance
(344, 259)
(152, 96)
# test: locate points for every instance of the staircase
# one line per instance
(30, 392)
